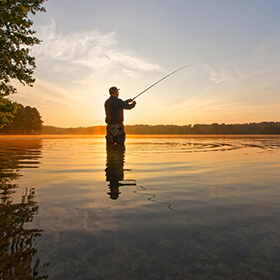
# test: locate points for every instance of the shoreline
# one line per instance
(86, 136)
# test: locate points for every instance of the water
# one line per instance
(162, 208)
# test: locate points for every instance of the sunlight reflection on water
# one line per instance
(162, 208)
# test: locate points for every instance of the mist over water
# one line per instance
(158, 208)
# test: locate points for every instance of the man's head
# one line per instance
(114, 91)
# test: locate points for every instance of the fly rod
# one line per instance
(160, 81)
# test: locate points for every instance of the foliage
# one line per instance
(8, 110)
(16, 36)
(27, 120)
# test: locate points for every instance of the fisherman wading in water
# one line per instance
(114, 107)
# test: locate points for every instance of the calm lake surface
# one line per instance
(160, 208)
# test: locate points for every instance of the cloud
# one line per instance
(222, 75)
(262, 62)
(79, 56)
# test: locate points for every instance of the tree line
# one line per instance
(247, 128)
(52, 130)
(207, 129)
(268, 128)
(25, 120)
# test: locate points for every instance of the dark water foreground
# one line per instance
(159, 208)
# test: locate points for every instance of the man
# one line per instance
(114, 107)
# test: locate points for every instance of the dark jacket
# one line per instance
(114, 110)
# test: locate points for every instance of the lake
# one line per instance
(162, 207)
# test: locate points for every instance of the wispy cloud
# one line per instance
(87, 53)
(261, 62)
(222, 75)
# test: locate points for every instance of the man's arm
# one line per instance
(128, 104)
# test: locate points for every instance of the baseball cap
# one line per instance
(112, 90)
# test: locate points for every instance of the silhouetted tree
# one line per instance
(27, 120)
(16, 36)
(7, 111)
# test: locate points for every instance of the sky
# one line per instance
(90, 45)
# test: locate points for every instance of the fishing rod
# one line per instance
(160, 81)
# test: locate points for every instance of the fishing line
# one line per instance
(152, 198)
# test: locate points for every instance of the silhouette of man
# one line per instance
(114, 107)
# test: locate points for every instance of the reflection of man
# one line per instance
(114, 168)
(114, 107)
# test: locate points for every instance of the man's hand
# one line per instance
(129, 100)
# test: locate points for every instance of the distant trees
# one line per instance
(52, 130)
(231, 129)
(197, 129)
(158, 129)
(271, 128)
(207, 129)
(27, 120)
